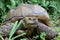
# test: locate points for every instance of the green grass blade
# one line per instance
(13, 29)
(18, 36)
(19, 24)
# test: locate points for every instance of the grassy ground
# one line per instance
(52, 7)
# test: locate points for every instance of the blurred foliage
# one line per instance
(52, 7)
(43, 35)
(36, 37)
(57, 38)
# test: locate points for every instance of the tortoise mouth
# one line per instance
(34, 25)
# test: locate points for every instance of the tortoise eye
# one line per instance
(29, 18)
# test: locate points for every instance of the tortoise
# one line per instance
(30, 13)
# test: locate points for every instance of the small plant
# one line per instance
(15, 27)
(36, 37)
(57, 38)
(24, 39)
(43, 35)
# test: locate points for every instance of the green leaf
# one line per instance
(42, 35)
(18, 2)
(13, 30)
(57, 38)
(35, 37)
(12, 3)
(34, 0)
(18, 36)
(1, 5)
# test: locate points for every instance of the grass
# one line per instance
(13, 30)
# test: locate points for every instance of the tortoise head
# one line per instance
(31, 21)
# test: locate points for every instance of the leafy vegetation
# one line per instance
(15, 27)
(52, 7)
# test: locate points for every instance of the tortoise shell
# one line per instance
(28, 10)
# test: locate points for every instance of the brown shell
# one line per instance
(28, 10)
